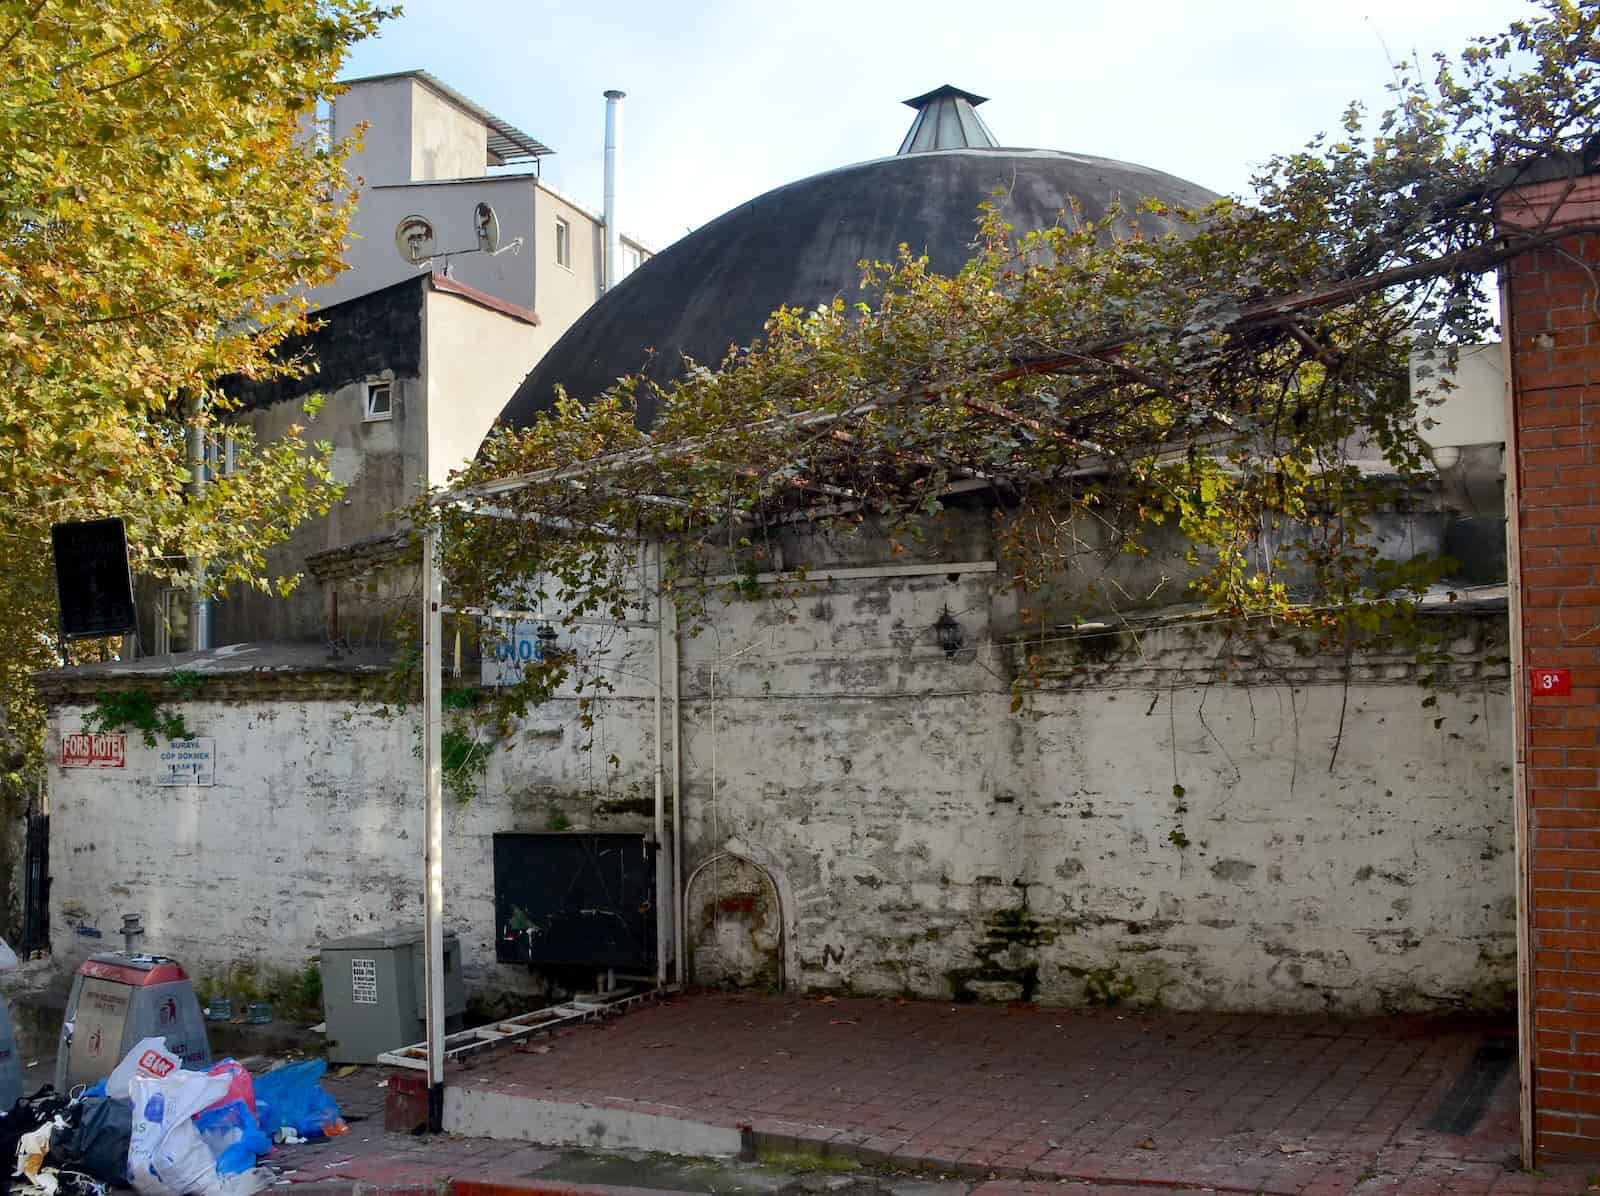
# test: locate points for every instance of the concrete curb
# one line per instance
(502, 1116)
(477, 1113)
(539, 1187)
(470, 1187)
(855, 1147)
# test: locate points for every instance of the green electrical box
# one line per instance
(374, 992)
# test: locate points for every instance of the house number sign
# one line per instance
(1551, 683)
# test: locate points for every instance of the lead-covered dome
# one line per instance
(800, 245)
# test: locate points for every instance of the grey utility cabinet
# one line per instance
(374, 991)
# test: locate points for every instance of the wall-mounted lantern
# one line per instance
(949, 632)
(546, 635)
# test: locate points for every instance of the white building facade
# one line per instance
(425, 162)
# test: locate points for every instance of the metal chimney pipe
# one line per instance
(199, 604)
(614, 100)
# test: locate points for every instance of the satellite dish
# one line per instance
(487, 225)
(413, 237)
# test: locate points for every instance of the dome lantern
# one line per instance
(946, 120)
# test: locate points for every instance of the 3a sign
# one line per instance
(1550, 683)
(83, 749)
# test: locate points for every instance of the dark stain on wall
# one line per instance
(1007, 955)
(359, 338)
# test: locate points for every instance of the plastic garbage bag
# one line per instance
(233, 1135)
(149, 1057)
(46, 1183)
(166, 1155)
(98, 1144)
(244, 1182)
(8, 957)
(240, 1086)
(290, 1097)
(32, 1148)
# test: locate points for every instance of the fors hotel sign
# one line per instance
(86, 749)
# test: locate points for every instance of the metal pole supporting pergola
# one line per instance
(668, 886)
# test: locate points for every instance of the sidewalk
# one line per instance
(1299, 1105)
(369, 1156)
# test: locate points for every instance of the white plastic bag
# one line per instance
(166, 1155)
(244, 1183)
(8, 957)
(149, 1057)
(31, 1151)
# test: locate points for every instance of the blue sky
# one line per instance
(729, 99)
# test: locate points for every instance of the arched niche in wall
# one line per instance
(734, 925)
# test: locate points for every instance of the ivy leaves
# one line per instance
(133, 709)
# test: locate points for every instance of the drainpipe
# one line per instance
(433, 821)
(199, 604)
(614, 100)
(664, 888)
(678, 911)
(1522, 822)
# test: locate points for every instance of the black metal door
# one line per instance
(575, 898)
(36, 886)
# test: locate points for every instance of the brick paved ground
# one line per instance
(368, 1155)
(1302, 1105)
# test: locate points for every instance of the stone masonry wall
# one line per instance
(1149, 827)
(312, 831)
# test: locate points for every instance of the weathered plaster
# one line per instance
(1165, 820)
(312, 831)
(313, 828)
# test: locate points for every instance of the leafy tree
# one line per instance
(1095, 385)
(160, 196)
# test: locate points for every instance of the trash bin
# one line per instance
(118, 1000)
(374, 992)
(10, 1062)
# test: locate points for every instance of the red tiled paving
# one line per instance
(367, 1155)
(1305, 1105)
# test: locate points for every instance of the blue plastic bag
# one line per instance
(234, 1136)
(290, 1097)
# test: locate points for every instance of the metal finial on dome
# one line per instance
(945, 120)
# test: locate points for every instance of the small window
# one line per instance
(632, 259)
(563, 242)
(380, 400)
(223, 457)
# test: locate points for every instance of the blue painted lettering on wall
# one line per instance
(524, 648)
(518, 648)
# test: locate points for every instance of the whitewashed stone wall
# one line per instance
(312, 831)
(1150, 827)
(928, 840)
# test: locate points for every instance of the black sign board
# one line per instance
(93, 584)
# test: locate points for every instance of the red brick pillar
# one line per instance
(1552, 331)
